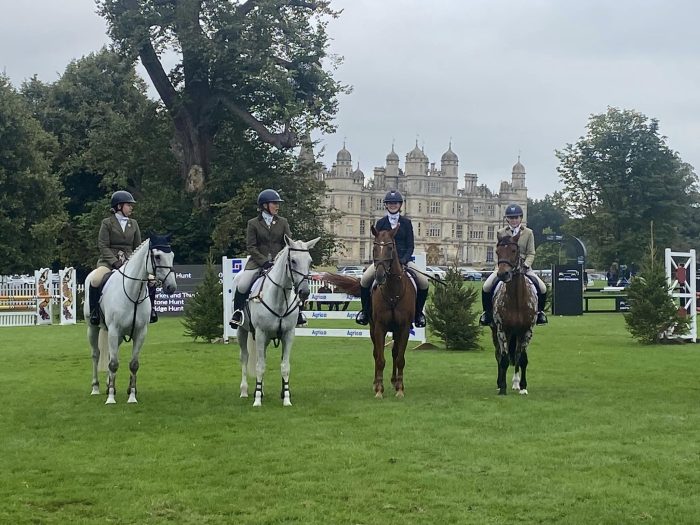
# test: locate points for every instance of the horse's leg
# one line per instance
(114, 340)
(92, 335)
(515, 383)
(394, 354)
(378, 339)
(134, 363)
(287, 340)
(503, 360)
(242, 336)
(400, 343)
(261, 341)
(523, 362)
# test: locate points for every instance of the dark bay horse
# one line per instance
(393, 307)
(514, 315)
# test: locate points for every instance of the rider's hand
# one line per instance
(267, 265)
(117, 265)
(526, 267)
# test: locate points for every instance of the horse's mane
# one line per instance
(139, 247)
(279, 253)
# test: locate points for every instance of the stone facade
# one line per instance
(449, 223)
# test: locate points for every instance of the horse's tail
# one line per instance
(103, 345)
(344, 283)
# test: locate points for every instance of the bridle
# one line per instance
(383, 261)
(391, 300)
(289, 270)
(517, 267)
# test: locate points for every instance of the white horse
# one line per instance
(126, 310)
(271, 313)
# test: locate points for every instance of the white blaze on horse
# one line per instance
(514, 315)
(125, 309)
(271, 313)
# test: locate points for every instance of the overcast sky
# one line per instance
(497, 77)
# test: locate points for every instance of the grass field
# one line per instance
(608, 434)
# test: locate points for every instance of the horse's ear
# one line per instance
(373, 230)
(312, 243)
(287, 240)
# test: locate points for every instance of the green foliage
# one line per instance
(653, 312)
(204, 312)
(31, 202)
(622, 174)
(450, 313)
(547, 215)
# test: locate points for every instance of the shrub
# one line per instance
(205, 311)
(450, 313)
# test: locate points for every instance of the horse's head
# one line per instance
(508, 254)
(384, 253)
(160, 262)
(299, 263)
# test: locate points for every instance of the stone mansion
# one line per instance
(450, 223)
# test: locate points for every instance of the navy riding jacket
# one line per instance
(403, 239)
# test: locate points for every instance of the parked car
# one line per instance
(435, 272)
(470, 274)
(353, 271)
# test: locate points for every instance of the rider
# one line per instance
(265, 239)
(404, 245)
(526, 245)
(119, 236)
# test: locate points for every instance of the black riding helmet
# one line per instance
(513, 210)
(268, 196)
(393, 196)
(121, 197)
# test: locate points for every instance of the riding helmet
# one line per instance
(513, 210)
(393, 196)
(121, 197)
(268, 196)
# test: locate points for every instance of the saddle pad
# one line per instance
(256, 288)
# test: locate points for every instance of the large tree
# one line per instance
(259, 62)
(31, 202)
(620, 176)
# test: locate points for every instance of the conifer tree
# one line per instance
(205, 311)
(450, 314)
(653, 313)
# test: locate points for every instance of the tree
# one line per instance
(653, 312)
(259, 63)
(31, 202)
(622, 174)
(450, 313)
(205, 311)
(546, 216)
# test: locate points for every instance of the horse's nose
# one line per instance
(170, 287)
(304, 294)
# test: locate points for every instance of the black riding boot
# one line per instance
(366, 299)
(421, 297)
(541, 300)
(487, 302)
(238, 304)
(94, 301)
(152, 296)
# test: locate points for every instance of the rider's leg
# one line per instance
(487, 300)
(241, 294)
(541, 296)
(364, 315)
(152, 297)
(94, 294)
(421, 296)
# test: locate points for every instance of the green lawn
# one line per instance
(608, 434)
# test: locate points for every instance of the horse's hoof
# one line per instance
(257, 403)
(95, 391)
(132, 399)
(516, 386)
(502, 392)
(400, 394)
(378, 395)
(523, 392)
(244, 394)
(286, 402)
(110, 401)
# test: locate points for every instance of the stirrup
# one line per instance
(362, 318)
(486, 319)
(419, 322)
(94, 318)
(541, 318)
(236, 319)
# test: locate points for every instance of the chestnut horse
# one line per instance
(514, 314)
(393, 307)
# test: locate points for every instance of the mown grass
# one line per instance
(608, 434)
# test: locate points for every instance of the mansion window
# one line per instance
(419, 234)
(348, 230)
(363, 204)
(332, 201)
(433, 186)
(350, 203)
(420, 207)
(489, 254)
(362, 229)
(477, 209)
(460, 210)
(434, 206)
(379, 205)
(459, 231)
(491, 210)
(363, 251)
(490, 233)
(476, 234)
(434, 230)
